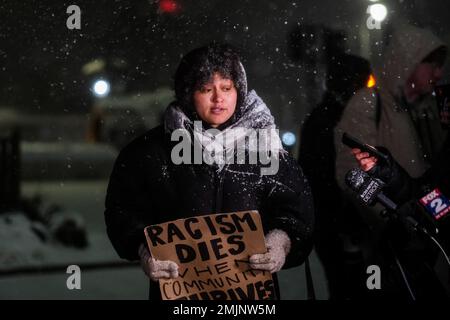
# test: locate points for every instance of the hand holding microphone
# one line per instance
(366, 162)
(380, 164)
(381, 181)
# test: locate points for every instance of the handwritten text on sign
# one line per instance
(212, 252)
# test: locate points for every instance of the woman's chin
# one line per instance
(215, 121)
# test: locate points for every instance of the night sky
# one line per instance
(41, 60)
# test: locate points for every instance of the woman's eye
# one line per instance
(205, 90)
(226, 89)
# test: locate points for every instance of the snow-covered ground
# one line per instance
(22, 250)
(20, 247)
(123, 284)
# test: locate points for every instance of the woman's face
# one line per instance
(215, 102)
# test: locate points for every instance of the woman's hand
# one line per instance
(156, 269)
(366, 162)
(278, 245)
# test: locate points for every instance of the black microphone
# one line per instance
(368, 189)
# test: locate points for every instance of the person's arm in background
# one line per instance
(359, 120)
(403, 189)
(399, 185)
(290, 228)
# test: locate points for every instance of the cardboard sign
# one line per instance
(212, 253)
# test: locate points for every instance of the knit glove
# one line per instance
(156, 269)
(278, 245)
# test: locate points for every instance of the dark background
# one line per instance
(41, 60)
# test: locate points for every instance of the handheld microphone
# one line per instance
(368, 189)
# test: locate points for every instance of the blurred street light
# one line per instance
(288, 139)
(378, 12)
(101, 88)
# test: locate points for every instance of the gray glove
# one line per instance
(156, 269)
(278, 245)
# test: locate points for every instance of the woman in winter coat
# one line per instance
(151, 185)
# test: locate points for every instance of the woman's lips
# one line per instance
(217, 110)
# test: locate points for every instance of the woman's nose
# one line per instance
(217, 96)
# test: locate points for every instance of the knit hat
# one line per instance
(198, 67)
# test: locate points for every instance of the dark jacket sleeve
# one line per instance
(124, 205)
(291, 209)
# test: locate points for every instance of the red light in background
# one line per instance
(168, 6)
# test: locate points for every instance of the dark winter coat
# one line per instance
(146, 188)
